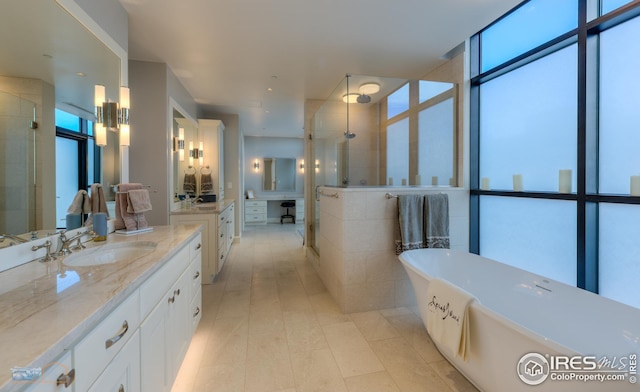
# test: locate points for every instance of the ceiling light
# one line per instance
(350, 98)
(369, 88)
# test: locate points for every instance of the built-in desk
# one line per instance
(261, 211)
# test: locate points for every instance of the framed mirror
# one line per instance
(279, 174)
(185, 128)
(53, 61)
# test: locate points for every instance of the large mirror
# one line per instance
(48, 61)
(185, 128)
(279, 174)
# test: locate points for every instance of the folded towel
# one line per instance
(98, 202)
(138, 201)
(124, 219)
(206, 183)
(80, 204)
(448, 317)
(189, 184)
(436, 221)
(410, 218)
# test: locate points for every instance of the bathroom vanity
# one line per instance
(218, 222)
(100, 325)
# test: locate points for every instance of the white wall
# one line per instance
(275, 147)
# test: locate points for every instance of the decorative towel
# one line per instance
(81, 203)
(448, 317)
(124, 219)
(138, 201)
(436, 221)
(98, 202)
(206, 183)
(410, 217)
(189, 184)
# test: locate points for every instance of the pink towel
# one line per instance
(124, 219)
(97, 201)
(138, 201)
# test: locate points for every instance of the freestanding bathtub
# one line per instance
(530, 333)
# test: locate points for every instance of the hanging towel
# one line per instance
(436, 221)
(124, 219)
(138, 201)
(448, 317)
(206, 183)
(80, 204)
(189, 185)
(410, 218)
(98, 202)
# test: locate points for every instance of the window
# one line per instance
(77, 160)
(569, 102)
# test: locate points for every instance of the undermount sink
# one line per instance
(108, 254)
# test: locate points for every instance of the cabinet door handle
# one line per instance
(110, 342)
(172, 299)
(176, 292)
(66, 379)
(197, 275)
(198, 246)
(121, 389)
(197, 311)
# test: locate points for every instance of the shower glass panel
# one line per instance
(17, 165)
(372, 128)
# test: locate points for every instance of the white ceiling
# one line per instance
(227, 53)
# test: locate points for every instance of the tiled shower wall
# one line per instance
(358, 229)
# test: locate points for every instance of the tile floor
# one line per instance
(270, 325)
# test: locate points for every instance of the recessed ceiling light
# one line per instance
(369, 88)
(269, 89)
(81, 74)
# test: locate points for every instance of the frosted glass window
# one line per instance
(67, 121)
(398, 151)
(610, 5)
(528, 123)
(619, 248)
(428, 89)
(536, 235)
(436, 143)
(533, 24)
(619, 115)
(398, 102)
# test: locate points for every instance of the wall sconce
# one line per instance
(181, 144)
(302, 166)
(196, 153)
(111, 116)
(256, 165)
(317, 166)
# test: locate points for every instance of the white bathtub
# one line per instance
(519, 313)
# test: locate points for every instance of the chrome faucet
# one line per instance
(66, 242)
(48, 256)
(12, 237)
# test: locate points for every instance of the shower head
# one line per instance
(349, 135)
(363, 98)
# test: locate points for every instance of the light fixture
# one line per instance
(317, 166)
(350, 98)
(256, 165)
(111, 116)
(369, 88)
(196, 153)
(302, 166)
(181, 144)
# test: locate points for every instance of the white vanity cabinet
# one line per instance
(217, 235)
(255, 212)
(123, 374)
(58, 377)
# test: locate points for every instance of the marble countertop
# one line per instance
(45, 308)
(205, 208)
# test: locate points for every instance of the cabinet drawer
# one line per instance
(196, 310)
(99, 347)
(255, 210)
(195, 246)
(58, 371)
(255, 218)
(152, 291)
(255, 203)
(123, 373)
